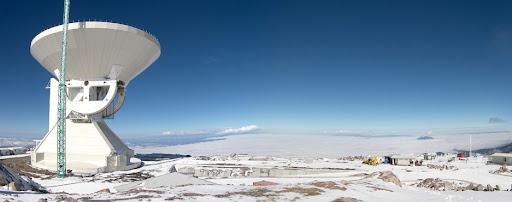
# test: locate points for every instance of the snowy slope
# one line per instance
(352, 177)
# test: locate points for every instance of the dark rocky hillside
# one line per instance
(507, 148)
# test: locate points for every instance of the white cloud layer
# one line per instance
(16, 142)
(244, 129)
(327, 145)
(343, 132)
(186, 132)
(315, 146)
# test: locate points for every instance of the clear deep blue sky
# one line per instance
(283, 65)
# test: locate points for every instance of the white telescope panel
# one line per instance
(94, 48)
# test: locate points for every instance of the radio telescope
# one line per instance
(102, 59)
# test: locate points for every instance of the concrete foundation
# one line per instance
(222, 172)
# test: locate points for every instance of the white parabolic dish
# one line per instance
(93, 48)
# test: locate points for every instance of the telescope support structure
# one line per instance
(92, 147)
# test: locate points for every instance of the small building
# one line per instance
(217, 158)
(201, 158)
(502, 158)
(387, 159)
(403, 160)
(428, 156)
(11, 151)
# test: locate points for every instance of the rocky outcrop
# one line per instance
(439, 185)
(66, 199)
(13, 186)
(3, 182)
(425, 182)
(489, 188)
(346, 199)
(448, 186)
(502, 169)
(388, 176)
(107, 190)
(431, 183)
(471, 186)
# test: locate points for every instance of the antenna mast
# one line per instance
(470, 146)
(61, 120)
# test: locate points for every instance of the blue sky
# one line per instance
(284, 66)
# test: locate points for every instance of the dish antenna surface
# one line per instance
(101, 60)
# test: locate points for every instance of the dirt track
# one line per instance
(22, 166)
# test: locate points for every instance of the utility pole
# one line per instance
(61, 120)
(470, 146)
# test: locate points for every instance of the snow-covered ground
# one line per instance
(295, 152)
(349, 175)
(14, 156)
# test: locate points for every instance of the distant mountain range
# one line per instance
(501, 149)
(159, 156)
(425, 138)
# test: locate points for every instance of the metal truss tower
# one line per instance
(61, 120)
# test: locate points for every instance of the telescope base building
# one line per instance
(91, 147)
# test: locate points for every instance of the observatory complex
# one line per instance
(102, 59)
